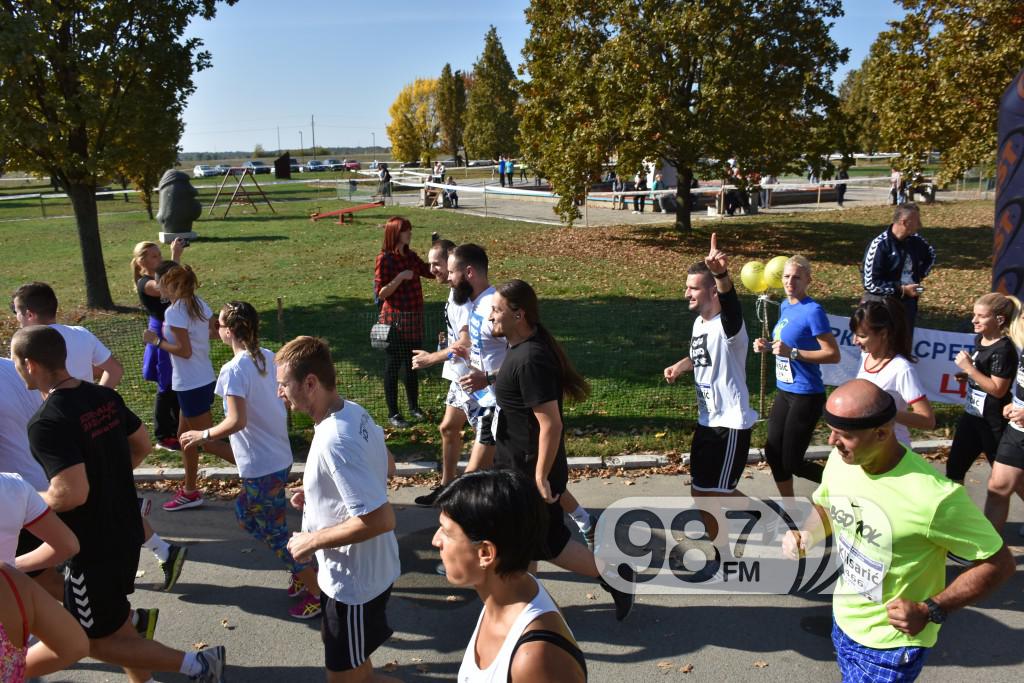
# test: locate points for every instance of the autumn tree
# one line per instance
(414, 126)
(937, 76)
(74, 78)
(451, 108)
(856, 109)
(693, 83)
(491, 120)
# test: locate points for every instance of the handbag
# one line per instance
(380, 336)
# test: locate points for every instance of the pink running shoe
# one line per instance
(307, 609)
(184, 500)
(295, 586)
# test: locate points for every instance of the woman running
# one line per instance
(802, 341)
(188, 326)
(989, 372)
(256, 423)
(880, 330)
(492, 524)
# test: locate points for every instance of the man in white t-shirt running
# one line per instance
(36, 304)
(347, 521)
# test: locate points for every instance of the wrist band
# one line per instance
(206, 435)
(159, 341)
(719, 276)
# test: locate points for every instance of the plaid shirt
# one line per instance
(404, 308)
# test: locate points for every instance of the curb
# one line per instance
(632, 461)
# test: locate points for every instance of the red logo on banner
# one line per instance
(952, 385)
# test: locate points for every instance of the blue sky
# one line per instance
(275, 64)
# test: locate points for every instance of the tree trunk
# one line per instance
(83, 201)
(683, 178)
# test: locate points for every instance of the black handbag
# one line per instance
(380, 336)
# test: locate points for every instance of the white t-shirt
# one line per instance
(261, 447)
(720, 375)
(20, 506)
(455, 317)
(196, 371)
(899, 379)
(486, 351)
(84, 351)
(346, 476)
(17, 406)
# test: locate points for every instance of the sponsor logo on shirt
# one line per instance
(699, 351)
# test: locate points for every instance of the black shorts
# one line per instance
(97, 594)
(351, 633)
(1011, 448)
(717, 458)
(558, 533)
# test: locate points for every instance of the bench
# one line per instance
(347, 211)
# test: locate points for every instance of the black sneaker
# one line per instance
(397, 422)
(213, 659)
(417, 414)
(623, 601)
(172, 567)
(427, 499)
(145, 621)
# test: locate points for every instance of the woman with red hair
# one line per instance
(396, 282)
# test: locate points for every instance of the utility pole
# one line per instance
(312, 124)
(279, 141)
(301, 145)
(373, 151)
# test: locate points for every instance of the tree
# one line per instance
(414, 123)
(859, 120)
(693, 83)
(258, 151)
(451, 108)
(937, 76)
(491, 120)
(74, 77)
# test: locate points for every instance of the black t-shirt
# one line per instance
(995, 360)
(89, 425)
(154, 305)
(530, 376)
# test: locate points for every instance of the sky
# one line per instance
(277, 64)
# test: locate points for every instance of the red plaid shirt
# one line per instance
(404, 308)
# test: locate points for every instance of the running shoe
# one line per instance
(184, 500)
(417, 414)
(398, 422)
(307, 609)
(145, 506)
(214, 660)
(172, 567)
(167, 444)
(588, 533)
(427, 499)
(623, 600)
(145, 621)
(296, 587)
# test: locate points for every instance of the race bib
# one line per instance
(861, 574)
(705, 397)
(1019, 405)
(975, 402)
(783, 370)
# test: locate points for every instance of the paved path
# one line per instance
(229, 578)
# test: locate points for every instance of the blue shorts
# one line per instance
(195, 402)
(860, 664)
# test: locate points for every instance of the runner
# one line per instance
(534, 377)
(22, 509)
(347, 520)
(87, 442)
(894, 518)
(256, 422)
(886, 360)
(187, 329)
(491, 525)
(802, 341)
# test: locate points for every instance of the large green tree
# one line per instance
(414, 126)
(451, 108)
(937, 75)
(491, 121)
(859, 119)
(692, 82)
(74, 76)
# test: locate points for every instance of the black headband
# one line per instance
(853, 424)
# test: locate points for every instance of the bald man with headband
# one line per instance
(893, 517)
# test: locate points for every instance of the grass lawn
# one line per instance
(612, 295)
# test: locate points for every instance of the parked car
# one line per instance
(334, 164)
(203, 171)
(353, 165)
(221, 169)
(481, 162)
(296, 165)
(313, 166)
(410, 164)
(256, 166)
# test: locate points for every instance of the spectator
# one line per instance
(640, 185)
(501, 170)
(841, 186)
(656, 199)
(618, 190)
(510, 167)
(451, 194)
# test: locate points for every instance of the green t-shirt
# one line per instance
(892, 532)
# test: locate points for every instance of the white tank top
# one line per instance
(497, 672)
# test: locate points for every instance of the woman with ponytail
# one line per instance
(188, 326)
(256, 423)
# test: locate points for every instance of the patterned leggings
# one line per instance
(260, 509)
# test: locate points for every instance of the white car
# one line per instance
(203, 171)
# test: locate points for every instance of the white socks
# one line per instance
(159, 547)
(579, 515)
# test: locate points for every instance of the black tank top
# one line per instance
(154, 305)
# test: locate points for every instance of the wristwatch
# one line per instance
(794, 354)
(936, 614)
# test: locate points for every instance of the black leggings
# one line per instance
(790, 428)
(398, 359)
(974, 436)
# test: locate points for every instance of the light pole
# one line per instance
(373, 150)
(300, 143)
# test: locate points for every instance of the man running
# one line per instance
(87, 441)
(894, 518)
(347, 521)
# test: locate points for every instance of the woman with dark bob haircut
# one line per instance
(491, 524)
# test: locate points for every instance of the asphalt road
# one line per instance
(232, 592)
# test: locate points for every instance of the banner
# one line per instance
(1008, 238)
(935, 351)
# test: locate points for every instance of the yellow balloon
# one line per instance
(773, 272)
(752, 276)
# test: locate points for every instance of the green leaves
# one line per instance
(491, 121)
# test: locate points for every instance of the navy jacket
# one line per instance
(884, 258)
